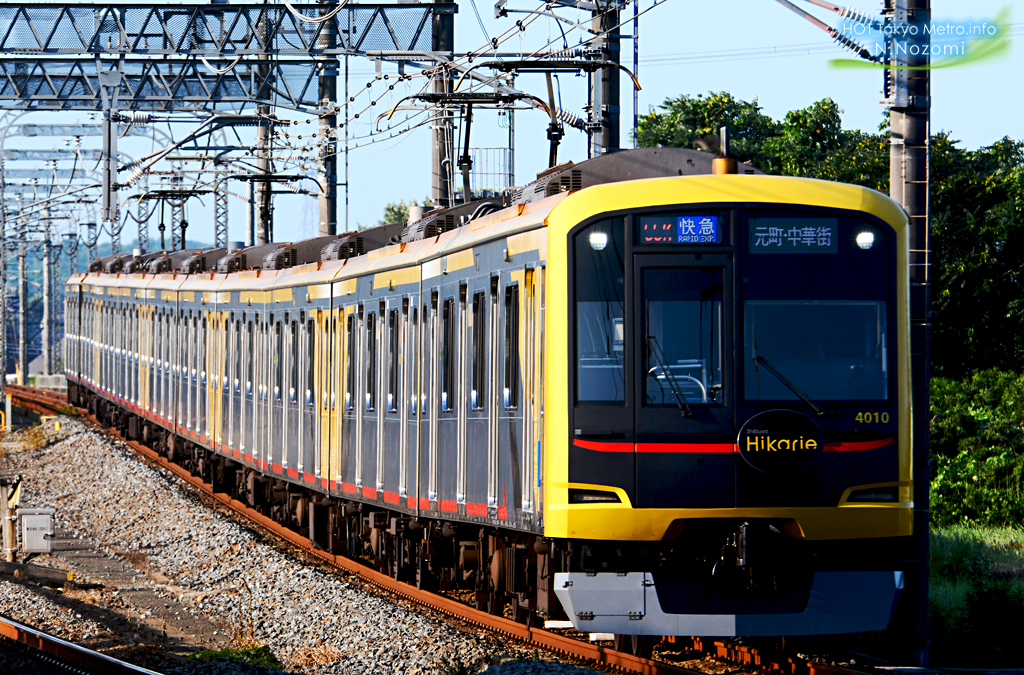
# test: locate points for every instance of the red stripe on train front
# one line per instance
(603, 447)
(857, 446)
(717, 448)
(476, 509)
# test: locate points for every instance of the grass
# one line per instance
(977, 595)
(257, 655)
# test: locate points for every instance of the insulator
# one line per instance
(571, 53)
(135, 175)
(571, 118)
(138, 116)
(857, 16)
(854, 47)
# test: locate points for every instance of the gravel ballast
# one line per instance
(201, 560)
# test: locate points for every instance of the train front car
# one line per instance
(727, 422)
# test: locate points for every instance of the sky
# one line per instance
(751, 48)
(691, 47)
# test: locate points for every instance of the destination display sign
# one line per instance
(678, 230)
(794, 235)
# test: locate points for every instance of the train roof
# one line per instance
(629, 179)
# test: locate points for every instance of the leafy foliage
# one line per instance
(977, 443)
(694, 121)
(394, 212)
(397, 212)
(978, 242)
(257, 655)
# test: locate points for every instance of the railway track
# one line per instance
(48, 402)
(43, 653)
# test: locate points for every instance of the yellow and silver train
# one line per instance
(665, 401)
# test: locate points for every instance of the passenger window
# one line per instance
(293, 370)
(511, 375)
(479, 351)
(278, 360)
(350, 356)
(448, 355)
(393, 363)
(371, 361)
(310, 360)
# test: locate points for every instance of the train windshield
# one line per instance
(817, 294)
(600, 313)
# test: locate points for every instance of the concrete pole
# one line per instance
(604, 85)
(264, 201)
(441, 151)
(47, 300)
(327, 166)
(909, 177)
(250, 216)
(3, 276)
(22, 301)
(9, 532)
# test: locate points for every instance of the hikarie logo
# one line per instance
(780, 442)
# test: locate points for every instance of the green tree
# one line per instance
(693, 122)
(395, 212)
(977, 209)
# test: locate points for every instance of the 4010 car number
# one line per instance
(872, 418)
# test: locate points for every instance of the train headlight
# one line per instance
(598, 240)
(865, 239)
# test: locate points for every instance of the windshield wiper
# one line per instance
(819, 411)
(684, 407)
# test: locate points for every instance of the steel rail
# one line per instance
(68, 651)
(50, 402)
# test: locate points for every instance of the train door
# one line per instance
(684, 432)
(291, 438)
(262, 390)
(339, 332)
(226, 372)
(408, 403)
(181, 360)
(203, 344)
(475, 483)
(248, 387)
(275, 401)
(369, 401)
(391, 446)
(511, 464)
(310, 461)
(192, 348)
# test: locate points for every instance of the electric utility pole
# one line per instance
(604, 83)
(441, 151)
(908, 94)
